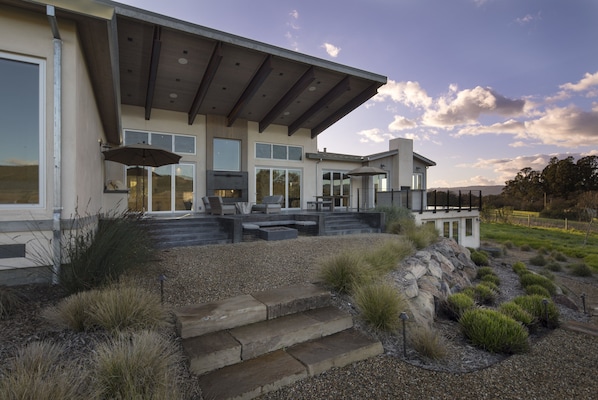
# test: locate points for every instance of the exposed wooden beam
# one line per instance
(151, 82)
(206, 81)
(306, 79)
(328, 98)
(346, 109)
(257, 81)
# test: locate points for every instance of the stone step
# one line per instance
(216, 350)
(274, 370)
(197, 320)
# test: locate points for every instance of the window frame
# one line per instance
(272, 152)
(42, 171)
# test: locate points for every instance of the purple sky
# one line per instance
(483, 87)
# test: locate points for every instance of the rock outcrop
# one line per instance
(432, 274)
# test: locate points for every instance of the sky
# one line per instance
(483, 87)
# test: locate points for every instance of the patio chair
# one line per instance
(217, 206)
(269, 205)
(206, 204)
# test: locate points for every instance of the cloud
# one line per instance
(408, 93)
(401, 123)
(331, 49)
(374, 135)
(588, 82)
(511, 126)
(565, 127)
(467, 106)
(294, 26)
(528, 18)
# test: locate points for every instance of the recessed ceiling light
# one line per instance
(312, 88)
(183, 61)
(286, 113)
(173, 95)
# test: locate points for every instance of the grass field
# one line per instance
(569, 242)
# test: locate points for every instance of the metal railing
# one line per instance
(432, 201)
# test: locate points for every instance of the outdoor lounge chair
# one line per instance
(206, 204)
(269, 205)
(218, 207)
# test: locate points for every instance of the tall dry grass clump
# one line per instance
(114, 308)
(344, 271)
(10, 301)
(386, 258)
(429, 343)
(142, 365)
(36, 372)
(380, 305)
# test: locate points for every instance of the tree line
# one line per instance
(565, 188)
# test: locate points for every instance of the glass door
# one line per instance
(273, 181)
(338, 185)
(168, 188)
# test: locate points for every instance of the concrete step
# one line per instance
(274, 370)
(197, 320)
(216, 350)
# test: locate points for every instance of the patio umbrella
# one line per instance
(366, 171)
(144, 155)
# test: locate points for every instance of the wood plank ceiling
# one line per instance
(166, 68)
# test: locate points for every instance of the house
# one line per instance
(80, 77)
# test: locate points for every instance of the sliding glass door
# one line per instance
(167, 188)
(285, 182)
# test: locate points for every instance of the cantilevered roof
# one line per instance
(152, 61)
(324, 155)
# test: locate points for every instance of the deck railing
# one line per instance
(431, 201)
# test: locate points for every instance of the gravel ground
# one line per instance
(561, 365)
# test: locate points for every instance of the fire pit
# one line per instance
(277, 233)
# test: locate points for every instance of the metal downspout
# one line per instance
(57, 206)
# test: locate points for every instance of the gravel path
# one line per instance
(561, 365)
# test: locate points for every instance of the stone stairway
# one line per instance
(169, 232)
(249, 345)
(339, 223)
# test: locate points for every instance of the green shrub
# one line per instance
(458, 303)
(534, 304)
(509, 245)
(553, 266)
(380, 306)
(139, 366)
(537, 289)
(479, 258)
(483, 271)
(580, 269)
(538, 260)
(513, 310)
(96, 258)
(345, 271)
(115, 308)
(525, 247)
(37, 372)
(491, 278)
(491, 285)
(535, 279)
(558, 256)
(494, 331)
(547, 274)
(10, 301)
(519, 267)
(484, 294)
(396, 218)
(429, 343)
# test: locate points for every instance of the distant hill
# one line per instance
(486, 190)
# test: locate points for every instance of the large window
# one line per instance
(21, 131)
(278, 152)
(417, 181)
(227, 155)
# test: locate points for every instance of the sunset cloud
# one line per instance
(331, 49)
